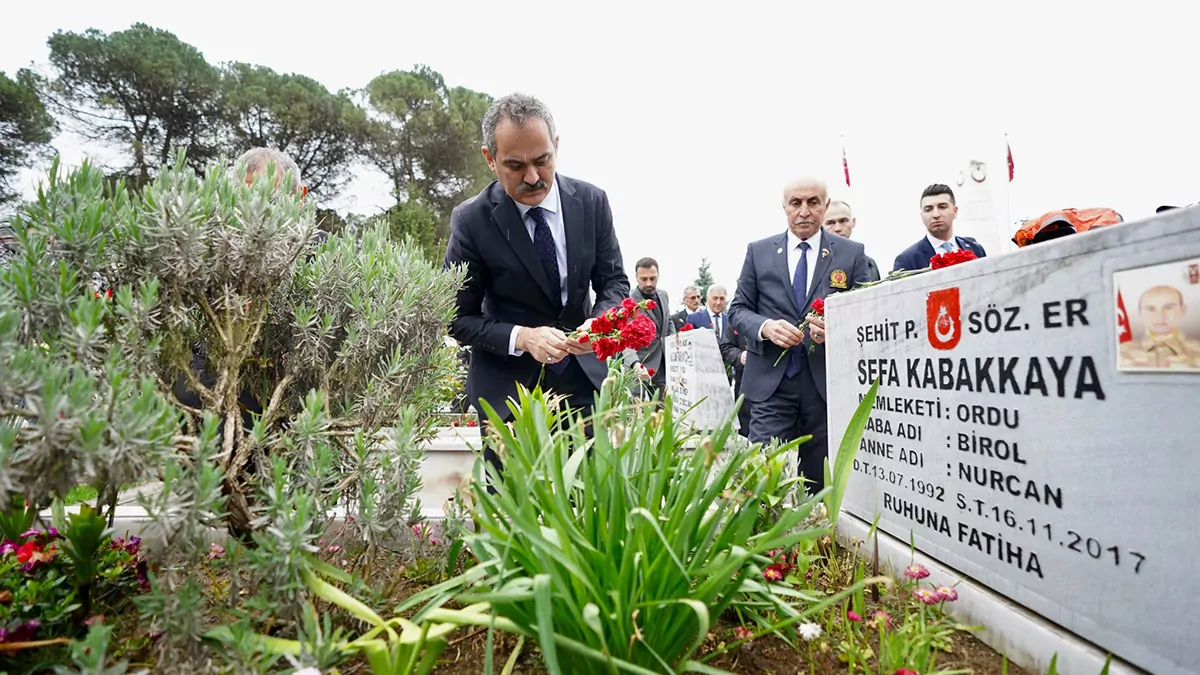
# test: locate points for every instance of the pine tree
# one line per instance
(704, 279)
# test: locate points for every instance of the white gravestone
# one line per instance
(1028, 433)
(696, 377)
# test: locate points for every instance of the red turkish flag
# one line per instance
(1124, 330)
(845, 166)
(1011, 171)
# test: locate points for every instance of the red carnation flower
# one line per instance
(951, 258)
(686, 328)
(818, 306)
(629, 303)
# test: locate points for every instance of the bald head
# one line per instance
(805, 201)
(1162, 308)
(839, 219)
(254, 163)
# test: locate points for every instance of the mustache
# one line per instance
(526, 187)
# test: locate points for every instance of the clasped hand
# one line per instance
(785, 335)
(547, 344)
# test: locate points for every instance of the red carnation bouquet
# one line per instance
(620, 328)
(817, 310)
(951, 258)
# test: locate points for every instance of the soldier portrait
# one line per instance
(1158, 318)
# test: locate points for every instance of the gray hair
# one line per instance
(516, 108)
(843, 203)
(256, 160)
(716, 287)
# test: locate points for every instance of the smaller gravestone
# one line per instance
(696, 377)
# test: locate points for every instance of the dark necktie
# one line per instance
(800, 291)
(717, 325)
(543, 242)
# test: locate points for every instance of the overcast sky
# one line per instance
(693, 120)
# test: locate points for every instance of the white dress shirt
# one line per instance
(554, 219)
(793, 259)
(939, 245)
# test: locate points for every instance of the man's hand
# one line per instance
(782, 333)
(816, 328)
(575, 346)
(742, 357)
(544, 343)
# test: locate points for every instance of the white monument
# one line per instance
(1031, 434)
(696, 379)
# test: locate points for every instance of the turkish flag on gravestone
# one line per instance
(943, 318)
(1124, 330)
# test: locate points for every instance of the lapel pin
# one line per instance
(779, 250)
(824, 253)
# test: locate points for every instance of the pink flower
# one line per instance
(334, 548)
(882, 619)
(906, 671)
(7, 546)
(916, 572)
(742, 633)
(927, 596)
(853, 616)
(947, 594)
(773, 573)
(215, 551)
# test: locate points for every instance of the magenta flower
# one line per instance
(906, 671)
(882, 619)
(853, 616)
(947, 594)
(927, 596)
(916, 572)
(773, 573)
(8, 546)
(742, 633)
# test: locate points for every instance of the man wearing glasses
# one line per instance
(691, 305)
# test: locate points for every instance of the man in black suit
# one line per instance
(532, 242)
(734, 349)
(840, 220)
(780, 278)
(938, 211)
(653, 357)
(691, 303)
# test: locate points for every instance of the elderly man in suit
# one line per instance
(691, 303)
(532, 242)
(652, 357)
(938, 211)
(780, 278)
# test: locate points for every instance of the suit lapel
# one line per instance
(781, 266)
(927, 252)
(819, 272)
(572, 216)
(509, 218)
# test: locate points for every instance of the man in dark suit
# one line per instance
(734, 349)
(840, 220)
(714, 317)
(938, 211)
(780, 278)
(691, 303)
(652, 357)
(532, 242)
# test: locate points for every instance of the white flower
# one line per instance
(810, 631)
(307, 671)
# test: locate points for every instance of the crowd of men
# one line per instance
(538, 246)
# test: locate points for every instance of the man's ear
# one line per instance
(556, 145)
(487, 157)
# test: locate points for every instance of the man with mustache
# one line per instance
(532, 243)
(781, 277)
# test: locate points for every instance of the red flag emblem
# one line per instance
(943, 318)
(1011, 167)
(1124, 330)
(845, 166)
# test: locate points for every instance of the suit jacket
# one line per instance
(917, 256)
(872, 270)
(506, 286)
(764, 291)
(679, 319)
(653, 356)
(702, 319)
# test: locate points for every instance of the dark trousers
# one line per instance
(744, 411)
(796, 409)
(572, 383)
